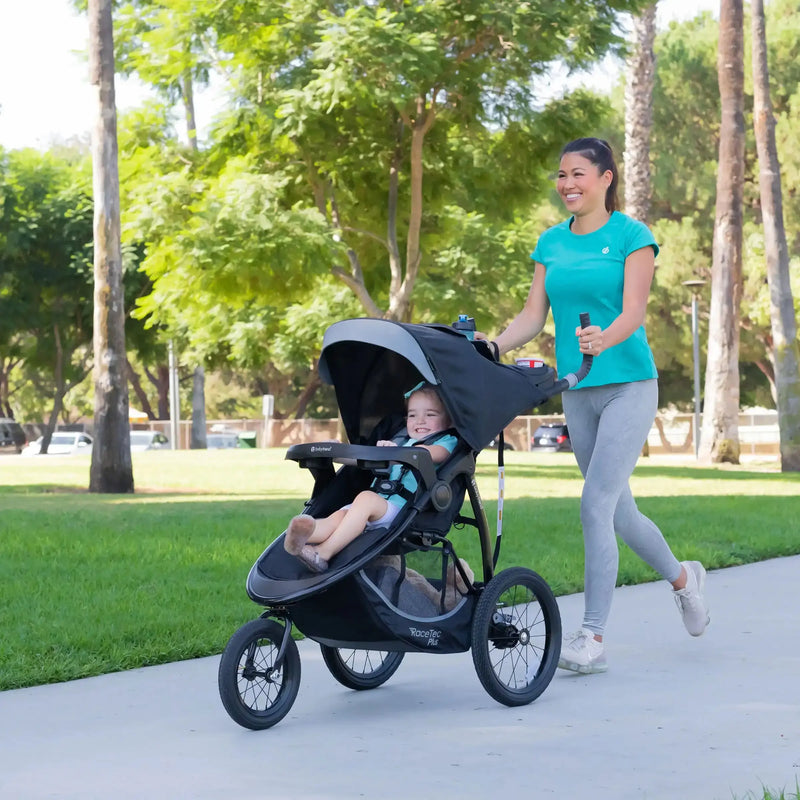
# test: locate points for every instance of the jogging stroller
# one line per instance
(365, 611)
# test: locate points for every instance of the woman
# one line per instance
(602, 261)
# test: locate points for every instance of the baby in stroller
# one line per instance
(427, 423)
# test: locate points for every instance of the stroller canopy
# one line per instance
(373, 362)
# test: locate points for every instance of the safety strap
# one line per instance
(397, 484)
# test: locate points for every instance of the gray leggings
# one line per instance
(608, 426)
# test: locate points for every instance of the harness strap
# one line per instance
(397, 487)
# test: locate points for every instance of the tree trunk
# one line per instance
(400, 292)
(58, 399)
(719, 441)
(141, 396)
(161, 382)
(639, 115)
(187, 93)
(7, 364)
(785, 352)
(312, 386)
(111, 469)
(198, 439)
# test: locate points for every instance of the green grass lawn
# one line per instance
(98, 583)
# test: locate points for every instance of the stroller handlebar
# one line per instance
(574, 378)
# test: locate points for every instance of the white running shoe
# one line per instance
(581, 652)
(691, 601)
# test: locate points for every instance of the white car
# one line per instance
(63, 443)
(148, 440)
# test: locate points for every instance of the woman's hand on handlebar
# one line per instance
(590, 340)
(493, 348)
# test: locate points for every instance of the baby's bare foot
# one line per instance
(298, 533)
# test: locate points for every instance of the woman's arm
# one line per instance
(530, 321)
(639, 270)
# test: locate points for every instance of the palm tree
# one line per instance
(639, 115)
(720, 435)
(785, 352)
(111, 469)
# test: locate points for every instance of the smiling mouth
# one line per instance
(572, 196)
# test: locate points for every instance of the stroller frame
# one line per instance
(509, 620)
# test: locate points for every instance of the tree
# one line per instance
(111, 469)
(45, 277)
(684, 150)
(172, 63)
(639, 115)
(720, 433)
(374, 109)
(785, 351)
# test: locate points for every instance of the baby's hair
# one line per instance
(599, 152)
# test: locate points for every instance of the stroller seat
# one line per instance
(278, 577)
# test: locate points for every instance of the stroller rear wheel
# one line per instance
(516, 636)
(254, 692)
(361, 669)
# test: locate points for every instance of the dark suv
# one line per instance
(552, 436)
(12, 437)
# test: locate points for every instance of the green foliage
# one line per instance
(46, 271)
(292, 197)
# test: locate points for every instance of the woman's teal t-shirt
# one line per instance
(586, 272)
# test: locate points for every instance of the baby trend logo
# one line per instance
(605, 251)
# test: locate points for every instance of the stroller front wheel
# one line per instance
(516, 636)
(256, 693)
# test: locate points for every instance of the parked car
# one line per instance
(222, 441)
(148, 440)
(552, 436)
(62, 443)
(12, 436)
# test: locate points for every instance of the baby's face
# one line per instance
(425, 416)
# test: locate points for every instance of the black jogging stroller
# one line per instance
(365, 611)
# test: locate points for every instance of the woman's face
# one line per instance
(581, 184)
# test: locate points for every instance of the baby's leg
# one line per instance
(326, 526)
(366, 507)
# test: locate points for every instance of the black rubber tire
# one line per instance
(516, 652)
(360, 669)
(259, 700)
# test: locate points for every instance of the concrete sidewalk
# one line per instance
(674, 717)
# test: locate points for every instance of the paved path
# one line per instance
(674, 717)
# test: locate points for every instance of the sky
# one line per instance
(45, 95)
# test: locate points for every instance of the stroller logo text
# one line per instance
(431, 634)
(318, 449)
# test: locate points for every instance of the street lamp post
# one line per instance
(695, 286)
